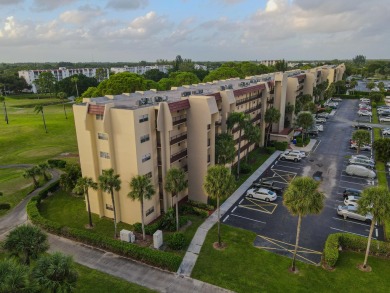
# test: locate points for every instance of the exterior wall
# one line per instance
(280, 98)
(141, 69)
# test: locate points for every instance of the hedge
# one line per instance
(147, 255)
(354, 243)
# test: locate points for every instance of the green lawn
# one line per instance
(243, 268)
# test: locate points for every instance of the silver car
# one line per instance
(362, 162)
(351, 212)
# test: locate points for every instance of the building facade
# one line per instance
(150, 132)
(141, 69)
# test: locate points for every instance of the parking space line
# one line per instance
(234, 209)
(290, 167)
(248, 218)
(259, 205)
(241, 201)
(350, 232)
(343, 187)
(226, 218)
(342, 219)
(364, 184)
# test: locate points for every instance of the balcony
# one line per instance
(300, 88)
(178, 138)
(179, 119)
(270, 101)
(178, 156)
(246, 100)
(256, 118)
(253, 109)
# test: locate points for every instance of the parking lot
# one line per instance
(275, 227)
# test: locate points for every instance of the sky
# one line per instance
(201, 30)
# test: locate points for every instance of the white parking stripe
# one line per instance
(248, 218)
(225, 218)
(364, 184)
(342, 219)
(346, 188)
(350, 232)
(240, 201)
(297, 168)
(234, 209)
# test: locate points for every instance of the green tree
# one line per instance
(361, 138)
(56, 273)
(240, 119)
(165, 84)
(340, 87)
(101, 74)
(219, 184)
(302, 198)
(376, 97)
(375, 201)
(43, 168)
(2, 99)
(252, 135)
(32, 173)
(225, 150)
(39, 109)
(272, 115)
(67, 85)
(330, 91)
(281, 65)
(27, 242)
(141, 189)
(75, 80)
(62, 97)
(311, 107)
(370, 85)
(71, 175)
(155, 75)
(185, 78)
(109, 182)
(175, 182)
(304, 120)
(82, 187)
(45, 82)
(13, 277)
(382, 149)
(353, 84)
(381, 86)
(359, 60)
(222, 73)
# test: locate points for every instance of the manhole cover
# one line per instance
(317, 176)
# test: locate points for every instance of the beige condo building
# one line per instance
(149, 132)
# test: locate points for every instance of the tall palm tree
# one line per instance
(353, 84)
(302, 198)
(175, 182)
(27, 242)
(272, 115)
(14, 277)
(56, 273)
(62, 97)
(141, 189)
(39, 109)
(376, 201)
(32, 173)
(82, 186)
(224, 148)
(2, 99)
(75, 79)
(219, 183)
(109, 182)
(240, 119)
(252, 135)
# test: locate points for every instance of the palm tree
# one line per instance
(240, 119)
(302, 198)
(353, 84)
(82, 186)
(141, 189)
(32, 173)
(219, 184)
(43, 167)
(62, 97)
(13, 276)
(224, 148)
(56, 273)
(375, 201)
(252, 135)
(272, 115)
(39, 109)
(175, 182)
(109, 182)
(27, 242)
(2, 99)
(75, 79)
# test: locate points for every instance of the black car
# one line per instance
(363, 126)
(351, 191)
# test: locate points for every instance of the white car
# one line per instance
(320, 120)
(361, 171)
(384, 119)
(363, 105)
(337, 99)
(363, 157)
(301, 153)
(365, 100)
(319, 127)
(351, 212)
(290, 156)
(261, 193)
(385, 131)
(365, 147)
(352, 200)
(364, 113)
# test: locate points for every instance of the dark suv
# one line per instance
(351, 191)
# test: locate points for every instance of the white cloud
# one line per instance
(82, 15)
(127, 4)
(10, 2)
(48, 5)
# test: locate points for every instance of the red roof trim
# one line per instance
(251, 89)
(179, 105)
(217, 96)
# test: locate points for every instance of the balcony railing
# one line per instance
(179, 155)
(246, 100)
(178, 138)
(253, 109)
(257, 117)
(270, 101)
(179, 119)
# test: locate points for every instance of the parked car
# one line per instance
(312, 132)
(351, 212)
(363, 157)
(261, 193)
(362, 126)
(361, 171)
(301, 153)
(365, 100)
(337, 99)
(320, 127)
(268, 184)
(291, 157)
(384, 119)
(386, 131)
(362, 148)
(363, 105)
(362, 162)
(320, 120)
(351, 191)
(351, 200)
(322, 115)
(364, 113)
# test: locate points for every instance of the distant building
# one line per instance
(31, 75)
(269, 62)
(141, 69)
(198, 67)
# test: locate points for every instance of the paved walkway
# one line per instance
(193, 250)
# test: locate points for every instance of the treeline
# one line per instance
(368, 68)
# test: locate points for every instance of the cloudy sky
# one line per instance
(216, 30)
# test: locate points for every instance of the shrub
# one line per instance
(149, 229)
(168, 221)
(176, 241)
(280, 145)
(270, 150)
(331, 250)
(245, 168)
(5, 206)
(201, 205)
(56, 163)
(199, 212)
(373, 105)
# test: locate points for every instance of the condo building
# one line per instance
(150, 132)
(141, 69)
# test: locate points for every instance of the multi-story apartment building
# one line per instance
(150, 132)
(141, 69)
(269, 62)
(31, 75)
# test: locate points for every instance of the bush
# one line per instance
(201, 205)
(168, 221)
(270, 150)
(5, 206)
(245, 168)
(149, 229)
(55, 163)
(280, 145)
(176, 241)
(373, 105)
(331, 250)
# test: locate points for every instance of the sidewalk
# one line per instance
(193, 250)
(307, 148)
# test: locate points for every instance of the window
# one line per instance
(143, 118)
(149, 211)
(109, 207)
(99, 116)
(104, 155)
(102, 136)
(145, 138)
(146, 158)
